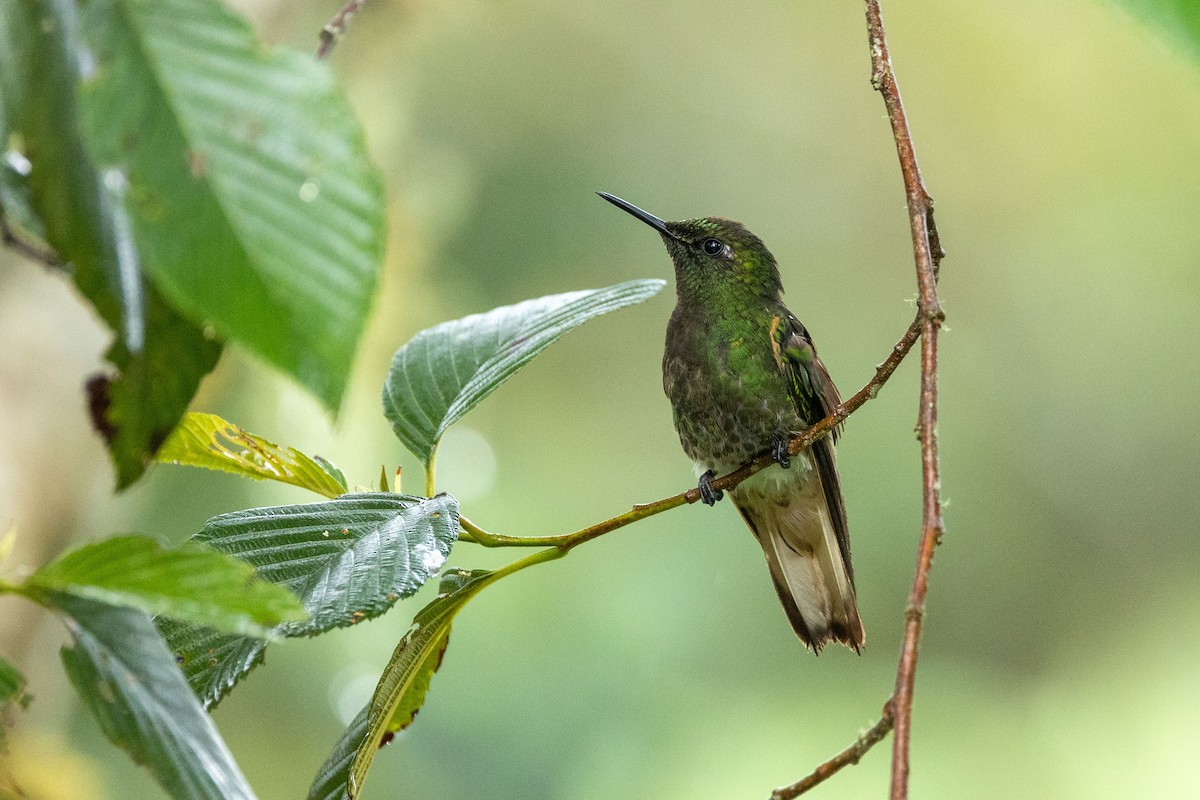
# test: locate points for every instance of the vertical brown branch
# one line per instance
(927, 252)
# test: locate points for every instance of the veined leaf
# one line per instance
(51, 188)
(192, 583)
(244, 175)
(129, 681)
(331, 781)
(209, 442)
(444, 371)
(348, 560)
(211, 661)
(401, 689)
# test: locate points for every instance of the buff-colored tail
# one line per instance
(814, 583)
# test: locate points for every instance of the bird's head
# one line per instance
(713, 256)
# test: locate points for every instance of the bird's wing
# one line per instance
(808, 381)
(816, 397)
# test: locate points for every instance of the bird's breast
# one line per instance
(728, 397)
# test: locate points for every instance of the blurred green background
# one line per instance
(1063, 638)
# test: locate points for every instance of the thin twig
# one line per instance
(474, 533)
(851, 755)
(927, 252)
(336, 27)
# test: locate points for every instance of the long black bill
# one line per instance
(644, 216)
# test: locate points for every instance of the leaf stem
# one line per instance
(538, 557)
(13, 588)
(430, 470)
(476, 534)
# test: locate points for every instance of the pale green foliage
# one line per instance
(209, 442)
(252, 205)
(192, 582)
(197, 186)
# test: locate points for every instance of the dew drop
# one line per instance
(309, 190)
(18, 163)
(115, 181)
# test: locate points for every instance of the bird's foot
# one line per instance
(779, 451)
(708, 494)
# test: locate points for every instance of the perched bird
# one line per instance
(743, 377)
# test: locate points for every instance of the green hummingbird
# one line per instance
(743, 377)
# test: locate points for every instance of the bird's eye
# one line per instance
(712, 246)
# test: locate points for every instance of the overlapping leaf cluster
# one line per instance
(120, 665)
(256, 576)
(196, 186)
(321, 551)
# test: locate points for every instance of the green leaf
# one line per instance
(332, 779)
(12, 694)
(192, 583)
(444, 371)
(12, 686)
(55, 191)
(209, 442)
(348, 560)
(213, 662)
(401, 689)
(137, 407)
(129, 681)
(244, 174)
(1178, 18)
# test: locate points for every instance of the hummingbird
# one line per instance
(743, 377)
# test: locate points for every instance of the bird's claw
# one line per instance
(779, 452)
(708, 494)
